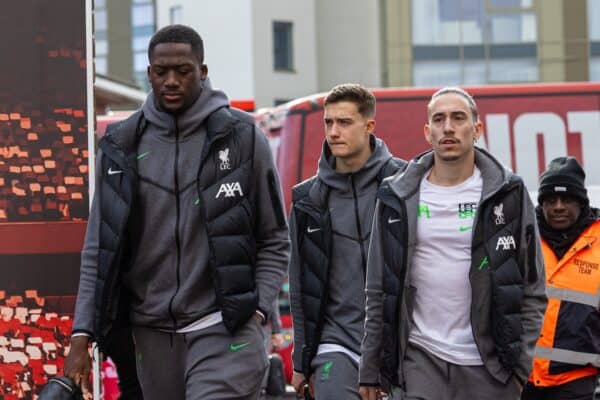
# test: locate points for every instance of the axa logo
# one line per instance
(224, 157)
(230, 190)
(499, 213)
(507, 242)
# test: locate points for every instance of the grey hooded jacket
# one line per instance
(168, 151)
(351, 202)
(406, 187)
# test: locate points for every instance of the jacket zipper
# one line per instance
(358, 228)
(177, 216)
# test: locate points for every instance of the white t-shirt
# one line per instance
(440, 270)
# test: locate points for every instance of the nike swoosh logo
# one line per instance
(311, 230)
(111, 172)
(143, 155)
(393, 221)
(236, 347)
(465, 228)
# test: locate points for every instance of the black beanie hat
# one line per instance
(563, 176)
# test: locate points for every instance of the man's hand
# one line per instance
(276, 340)
(311, 386)
(298, 382)
(519, 386)
(369, 393)
(259, 317)
(79, 364)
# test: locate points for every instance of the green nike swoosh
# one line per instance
(141, 156)
(236, 347)
(465, 228)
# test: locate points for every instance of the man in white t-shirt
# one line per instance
(455, 277)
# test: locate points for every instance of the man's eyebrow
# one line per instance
(451, 113)
(165, 65)
(337, 118)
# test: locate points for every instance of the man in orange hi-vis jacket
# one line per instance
(567, 354)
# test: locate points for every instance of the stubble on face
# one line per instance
(451, 130)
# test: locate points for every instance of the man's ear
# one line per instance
(427, 133)
(478, 130)
(371, 126)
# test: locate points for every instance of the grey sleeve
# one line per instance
(534, 300)
(371, 344)
(271, 230)
(275, 318)
(295, 298)
(83, 321)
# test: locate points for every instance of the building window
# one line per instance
(100, 30)
(142, 28)
(442, 22)
(176, 15)
(593, 14)
(473, 42)
(283, 46)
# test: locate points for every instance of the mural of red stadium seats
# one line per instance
(34, 341)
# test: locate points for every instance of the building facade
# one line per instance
(122, 30)
(471, 42)
(273, 51)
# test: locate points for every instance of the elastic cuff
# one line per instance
(262, 316)
(81, 332)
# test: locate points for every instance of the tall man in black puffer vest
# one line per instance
(455, 279)
(330, 228)
(187, 240)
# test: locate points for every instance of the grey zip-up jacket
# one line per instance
(351, 205)
(157, 299)
(406, 187)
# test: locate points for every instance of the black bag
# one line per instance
(61, 388)
(276, 378)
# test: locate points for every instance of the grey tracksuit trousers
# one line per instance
(209, 364)
(430, 378)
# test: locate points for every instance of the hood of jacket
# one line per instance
(362, 178)
(493, 173)
(188, 121)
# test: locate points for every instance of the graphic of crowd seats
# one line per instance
(43, 164)
(34, 343)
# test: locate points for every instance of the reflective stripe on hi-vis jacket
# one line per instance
(569, 343)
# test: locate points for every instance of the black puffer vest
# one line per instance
(496, 252)
(314, 233)
(232, 245)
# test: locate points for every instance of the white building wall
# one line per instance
(270, 84)
(226, 29)
(349, 44)
(334, 41)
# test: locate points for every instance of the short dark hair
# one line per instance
(458, 91)
(178, 34)
(354, 93)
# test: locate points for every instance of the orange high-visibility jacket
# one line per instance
(569, 343)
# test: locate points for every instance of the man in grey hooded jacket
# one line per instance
(330, 228)
(187, 240)
(455, 278)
